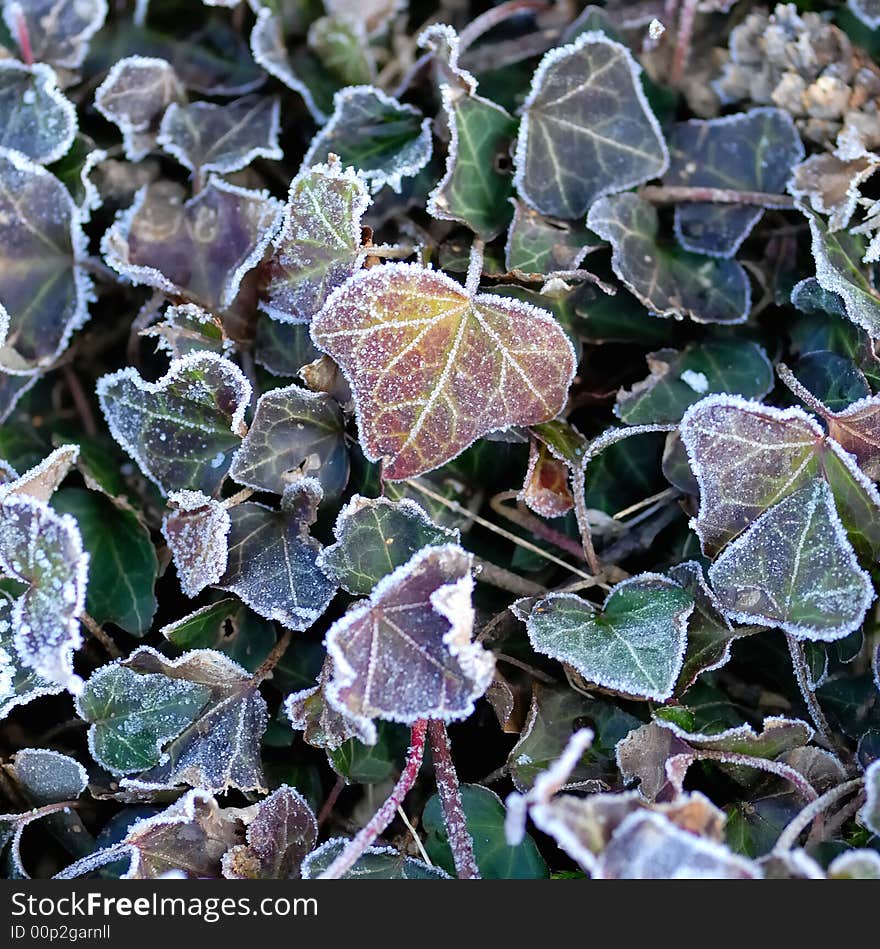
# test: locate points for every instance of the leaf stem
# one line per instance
(475, 266)
(99, 633)
(675, 194)
(495, 16)
(80, 400)
(799, 664)
(332, 798)
(272, 660)
(22, 36)
(800, 391)
(383, 817)
(496, 576)
(533, 524)
(580, 513)
(686, 16)
(781, 770)
(460, 841)
(788, 838)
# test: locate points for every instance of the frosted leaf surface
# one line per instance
(204, 627)
(668, 280)
(220, 749)
(183, 429)
(751, 151)
(869, 815)
(294, 433)
(862, 864)
(19, 683)
(678, 379)
(60, 31)
(44, 551)
(35, 117)
(206, 137)
(406, 653)
(44, 291)
(319, 244)
(868, 11)
(134, 96)
(187, 328)
(635, 645)
(199, 249)
(281, 834)
(132, 717)
(380, 137)
(41, 481)
(538, 244)
(196, 531)
(433, 368)
(377, 863)
(546, 486)
(831, 184)
(272, 558)
(375, 14)
(776, 737)
(48, 776)
(586, 111)
(376, 536)
(794, 568)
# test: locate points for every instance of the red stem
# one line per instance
(383, 817)
(684, 33)
(460, 841)
(23, 37)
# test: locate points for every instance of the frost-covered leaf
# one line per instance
(341, 46)
(295, 433)
(375, 14)
(668, 280)
(281, 834)
(35, 117)
(406, 653)
(319, 244)
(59, 31)
(537, 244)
(41, 481)
(856, 428)
(199, 249)
(132, 717)
(206, 137)
(794, 568)
(587, 129)
(187, 328)
(19, 683)
(376, 536)
(182, 429)
(546, 487)
(777, 736)
(869, 815)
(49, 777)
(748, 151)
(839, 270)
(433, 367)
(44, 550)
(868, 11)
(377, 863)
(283, 348)
(45, 293)
(678, 379)
(381, 138)
(855, 864)
(271, 561)
(220, 749)
(134, 96)
(196, 530)
(123, 565)
(204, 628)
(635, 645)
(831, 184)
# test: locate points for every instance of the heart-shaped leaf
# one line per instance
(795, 568)
(377, 863)
(206, 137)
(536, 244)
(375, 537)
(668, 280)
(294, 433)
(635, 645)
(182, 429)
(196, 530)
(587, 129)
(406, 653)
(35, 117)
(187, 328)
(58, 31)
(319, 244)
(433, 368)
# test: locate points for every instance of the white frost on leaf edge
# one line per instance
(46, 78)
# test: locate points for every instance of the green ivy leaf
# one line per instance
(36, 118)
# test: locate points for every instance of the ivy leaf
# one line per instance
(44, 291)
(182, 429)
(187, 328)
(546, 488)
(777, 736)
(376, 536)
(132, 717)
(281, 834)
(668, 280)
(377, 863)
(635, 645)
(425, 666)
(319, 244)
(749, 151)
(831, 184)
(868, 11)
(44, 551)
(484, 815)
(196, 530)
(283, 348)
(586, 109)
(123, 564)
(381, 138)
(49, 777)
(433, 368)
(199, 249)
(41, 481)
(204, 628)
(35, 116)
(59, 31)
(19, 683)
(794, 568)
(537, 244)
(869, 815)
(839, 271)
(206, 137)
(294, 433)
(134, 96)
(678, 379)
(359, 762)
(271, 560)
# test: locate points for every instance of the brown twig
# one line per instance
(676, 194)
(98, 632)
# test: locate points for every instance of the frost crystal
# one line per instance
(196, 532)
